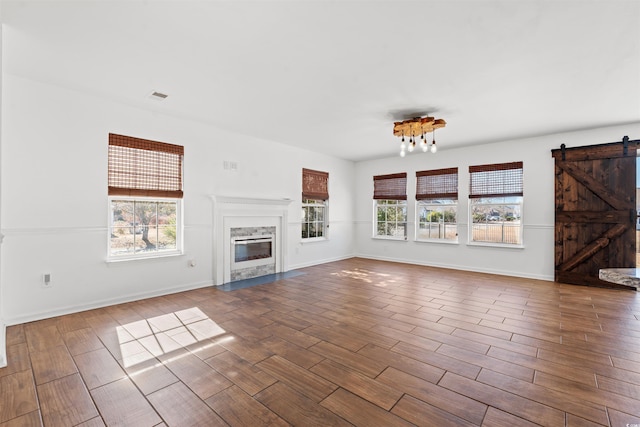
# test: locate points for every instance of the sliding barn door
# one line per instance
(595, 211)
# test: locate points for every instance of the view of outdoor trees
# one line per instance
(391, 218)
(141, 226)
(437, 220)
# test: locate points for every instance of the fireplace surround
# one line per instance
(252, 252)
(252, 222)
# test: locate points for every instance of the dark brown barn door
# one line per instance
(595, 211)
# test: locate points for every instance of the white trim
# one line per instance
(392, 238)
(497, 245)
(146, 256)
(313, 240)
(438, 241)
(234, 211)
(11, 232)
(462, 268)
(3, 344)
(33, 316)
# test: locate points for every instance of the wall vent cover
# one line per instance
(158, 95)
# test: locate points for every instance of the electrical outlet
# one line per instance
(46, 280)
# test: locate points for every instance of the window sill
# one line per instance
(397, 239)
(496, 245)
(441, 241)
(314, 240)
(123, 259)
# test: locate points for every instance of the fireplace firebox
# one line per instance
(251, 251)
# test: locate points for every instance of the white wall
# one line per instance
(54, 199)
(3, 330)
(535, 260)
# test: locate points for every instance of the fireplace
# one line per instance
(250, 237)
(250, 251)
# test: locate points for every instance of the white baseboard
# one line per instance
(105, 303)
(463, 268)
(3, 345)
(30, 317)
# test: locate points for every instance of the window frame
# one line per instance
(377, 204)
(179, 249)
(432, 203)
(390, 189)
(436, 190)
(314, 203)
(488, 203)
(496, 195)
(315, 194)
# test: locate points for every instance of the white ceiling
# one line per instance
(333, 76)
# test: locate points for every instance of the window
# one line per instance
(143, 226)
(315, 194)
(496, 196)
(390, 206)
(437, 204)
(145, 198)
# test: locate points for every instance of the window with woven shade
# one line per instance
(139, 167)
(495, 180)
(437, 204)
(390, 206)
(390, 187)
(437, 184)
(315, 196)
(145, 192)
(495, 203)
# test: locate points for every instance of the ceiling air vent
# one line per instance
(158, 95)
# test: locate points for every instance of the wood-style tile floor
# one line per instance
(355, 342)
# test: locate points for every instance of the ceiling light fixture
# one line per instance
(418, 126)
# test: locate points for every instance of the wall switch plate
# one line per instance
(46, 280)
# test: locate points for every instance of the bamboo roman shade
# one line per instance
(139, 167)
(437, 184)
(496, 180)
(315, 185)
(390, 187)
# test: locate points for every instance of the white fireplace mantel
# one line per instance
(231, 211)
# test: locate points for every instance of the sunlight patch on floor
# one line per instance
(146, 339)
(376, 279)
